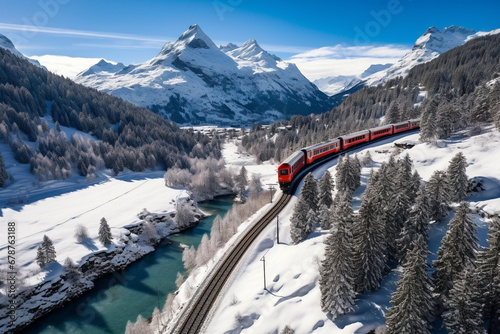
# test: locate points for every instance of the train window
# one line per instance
(284, 172)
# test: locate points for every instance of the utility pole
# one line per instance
(263, 260)
(278, 229)
(271, 188)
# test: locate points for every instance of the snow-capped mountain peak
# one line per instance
(7, 44)
(103, 66)
(192, 81)
(427, 47)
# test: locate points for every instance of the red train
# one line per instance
(306, 156)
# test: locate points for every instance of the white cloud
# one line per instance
(67, 66)
(337, 60)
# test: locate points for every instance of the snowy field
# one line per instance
(292, 280)
(119, 200)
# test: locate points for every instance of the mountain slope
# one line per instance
(192, 81)
(7, 44)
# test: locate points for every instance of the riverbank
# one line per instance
(122, 203)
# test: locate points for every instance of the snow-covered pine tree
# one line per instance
(336, 270)
(309, 193)
(348, 174)
(287, 330)
(369, 247)
(457, 178)
(458, 250)
(489, 267)
(412, 302)
(40, 256)
(105, 235)
(311, 221)
(439, 195)
(325, 217)
(416, 224)
(3, 173)
(46, 252)
(298, 221)
(392, 115)
(428, 127)
(325, 190)
(465, 314)
(445, 123)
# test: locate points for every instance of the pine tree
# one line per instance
(412, 302)
(416, 224)
(465, 307)
(3, 173)
(369, 247)
(298, 221)
(309, 192)
(348, 174)
(336, 270)
(46, 252)
(325, 217)
(311, 220)
(287, 330)
(428, 125)
(105, 235)
(325, 190)
(392, 115)
(458, 250)
(457, 178)
(439, 195)
(489, 267)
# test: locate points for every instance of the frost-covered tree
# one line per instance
(439, 195)
(184, 216)
(336, 270)
(457, 251)
(489, 267)
(325, 190)
(369, 247)
(149, 233)
(242, 181)
(81, 233)
(140, 326)
(412, 302)
(72, 272)
(46, 252)
(3, 173)
(309, 192)
(217, 233)
(311, 221)
(105, 235)
(204, 251)
(457, 178)
(465, 309)
(416, 224)
(428, 125)
(298, 221)
(189, 258)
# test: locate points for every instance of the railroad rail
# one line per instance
(192, 320)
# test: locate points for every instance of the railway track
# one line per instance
(193, 319)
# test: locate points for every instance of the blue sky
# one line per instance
(134, 31)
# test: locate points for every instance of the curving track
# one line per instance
(194, 317)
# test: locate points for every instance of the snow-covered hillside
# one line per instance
(8, 45)
(192, 81)
(293, 297)
(427, 47)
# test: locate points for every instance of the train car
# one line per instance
(414, 123)
(381, 131)
(401, 127)
(354, 139)
(289, 168)
(321, 150)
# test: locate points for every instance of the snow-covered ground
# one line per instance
(293, 297)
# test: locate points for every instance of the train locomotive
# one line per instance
(292, 165)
